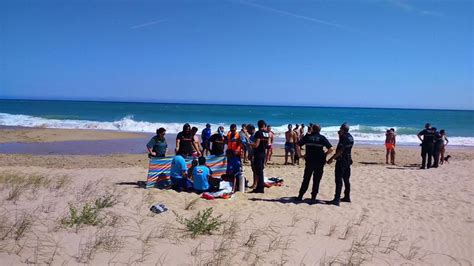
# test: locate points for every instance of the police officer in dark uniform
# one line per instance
(427, 145)
(315, 160)
(259, 149)
(438, 144)
(343, 165)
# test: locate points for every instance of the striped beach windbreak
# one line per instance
(159, 168)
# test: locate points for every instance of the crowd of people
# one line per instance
(255, 145)
(433, 143)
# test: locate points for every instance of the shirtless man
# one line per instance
(297, 132)
(390, 145)
(291, 138)
(268, 157)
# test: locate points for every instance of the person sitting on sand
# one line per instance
(234, 167)
(217, 142)
(390, 141)
(157, 145)
(201, 174)
(194, 163)
(178, 173)
(185, 145)
(290, 144)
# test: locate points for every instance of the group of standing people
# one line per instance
(433, 143)
(317, 149)
(256, 146)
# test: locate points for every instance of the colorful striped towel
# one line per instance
(159, 170)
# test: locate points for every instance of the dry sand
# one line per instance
(399, 215)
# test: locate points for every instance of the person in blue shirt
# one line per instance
(205, 135)
(178, 173)
(234, 167)
(201, 174)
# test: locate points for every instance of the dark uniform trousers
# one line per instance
(258, 166)
(436, 151)
(426, 150)
(315, 169)
(342, 174)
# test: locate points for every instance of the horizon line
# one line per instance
(232, 104)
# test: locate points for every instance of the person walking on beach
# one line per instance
(390, 141)
(185, 145)
(261, 142)
(315, 158)
(205, 135)
(217, 142)
(157, 145)
(290, 144)
(342, 172)
(427, 145)
(270, 145)
(442, 149)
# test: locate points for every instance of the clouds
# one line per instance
(147, 24)
(405, 6)
(298, 16)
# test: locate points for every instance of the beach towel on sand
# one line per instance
(273, 181)
(159, 170)
(225, 192)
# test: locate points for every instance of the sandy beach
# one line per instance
(399, 214)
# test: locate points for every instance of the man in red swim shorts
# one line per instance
(390, 145)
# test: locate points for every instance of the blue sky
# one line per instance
(318, 53)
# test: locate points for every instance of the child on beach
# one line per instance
(390, 141)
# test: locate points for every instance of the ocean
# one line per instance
(368, 125)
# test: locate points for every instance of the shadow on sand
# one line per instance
(137, 184)
(288, 200)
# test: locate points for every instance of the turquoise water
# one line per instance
(367, 124)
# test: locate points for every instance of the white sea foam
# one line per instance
(362, 134)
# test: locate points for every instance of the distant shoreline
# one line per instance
(106, 142)
(239, 105)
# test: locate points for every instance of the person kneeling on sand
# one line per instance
(201, 175)
(178, 174)
(234, 168)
